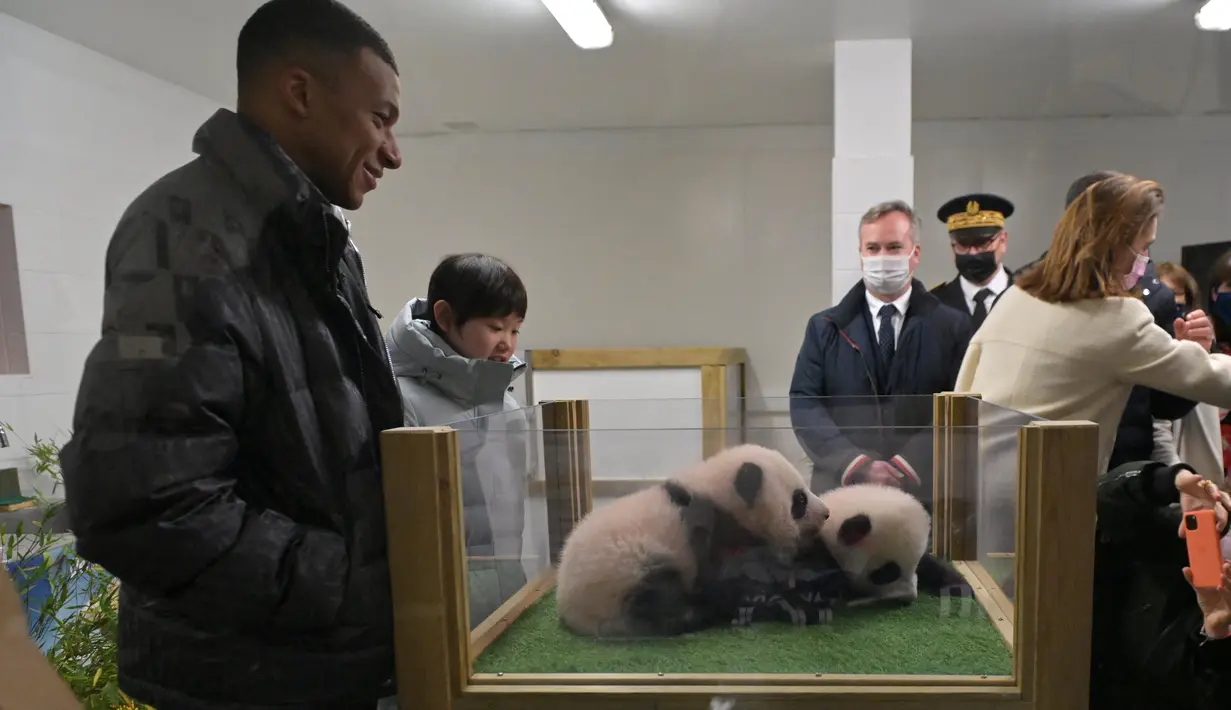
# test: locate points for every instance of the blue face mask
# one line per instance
(1221, 307)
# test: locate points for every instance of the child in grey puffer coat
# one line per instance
(453, 357)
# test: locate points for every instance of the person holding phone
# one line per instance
(1159, 641)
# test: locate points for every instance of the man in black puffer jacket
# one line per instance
(224, 463)
(1135, 435)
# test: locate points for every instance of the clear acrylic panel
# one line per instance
(501, 518)
(516, 517)
(995, 478)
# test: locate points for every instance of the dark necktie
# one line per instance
(884, 337)
(980, 313)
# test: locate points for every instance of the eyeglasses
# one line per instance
(990, 244)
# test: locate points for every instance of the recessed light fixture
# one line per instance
(583, 21)
(1215, 16)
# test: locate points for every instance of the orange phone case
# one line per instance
(1204, 553)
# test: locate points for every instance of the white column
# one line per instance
(872, 161)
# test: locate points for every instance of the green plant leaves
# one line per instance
(79, 609)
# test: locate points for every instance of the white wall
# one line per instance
(80, 136)
(721, 236)
(634, 238)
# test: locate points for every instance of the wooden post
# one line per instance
(713, 409)
(940, 474)
(962, 449)
(566, 469)
(1056, 501)
(584, 478)
(423, 516)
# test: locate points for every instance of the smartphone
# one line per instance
(1204, 552)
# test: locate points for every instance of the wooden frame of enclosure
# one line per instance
(714, 364)
(436, 652)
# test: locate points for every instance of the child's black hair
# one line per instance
(476, 286)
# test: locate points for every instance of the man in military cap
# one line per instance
(978, 237)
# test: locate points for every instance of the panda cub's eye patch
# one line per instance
(799, 504)
(854, 529)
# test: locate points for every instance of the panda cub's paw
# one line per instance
(940, 578)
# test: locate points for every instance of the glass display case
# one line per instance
(478, 515)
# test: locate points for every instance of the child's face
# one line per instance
(486, 338)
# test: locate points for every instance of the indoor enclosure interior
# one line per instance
(680, 186)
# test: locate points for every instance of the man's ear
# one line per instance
(295, 88)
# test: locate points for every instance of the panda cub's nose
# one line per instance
(822, 511)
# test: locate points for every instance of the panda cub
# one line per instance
(878, 536)
(642, 565)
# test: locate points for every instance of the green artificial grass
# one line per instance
(913, 640)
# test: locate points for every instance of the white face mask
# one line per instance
(886, 275)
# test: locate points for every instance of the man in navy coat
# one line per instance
(861, 395)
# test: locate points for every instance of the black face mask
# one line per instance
(976, 268)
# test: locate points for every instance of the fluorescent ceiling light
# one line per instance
(1215, 16)
(583, 21)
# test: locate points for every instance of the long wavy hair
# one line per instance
(1095, 228)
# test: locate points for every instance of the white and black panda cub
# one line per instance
(878, 536)
(640, 565)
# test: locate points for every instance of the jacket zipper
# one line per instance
(363, 281)
(358, 339)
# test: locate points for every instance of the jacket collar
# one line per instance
(419, 353)
(855, 302)
(1023, 269)
(271, 180)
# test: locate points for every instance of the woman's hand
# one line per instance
(1215, 604)
(1196, 493)
(1196, 327)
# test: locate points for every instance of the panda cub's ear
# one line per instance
(678, 495)
(748, 482)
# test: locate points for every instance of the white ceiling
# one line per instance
(506, 65)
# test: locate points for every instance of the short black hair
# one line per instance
(476, 286)
(1084, 183)
(280, 27)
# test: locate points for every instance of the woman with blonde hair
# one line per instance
(1070, 339)
(1196, 438)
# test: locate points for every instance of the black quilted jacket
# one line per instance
(1147, 649)
(224, 461)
